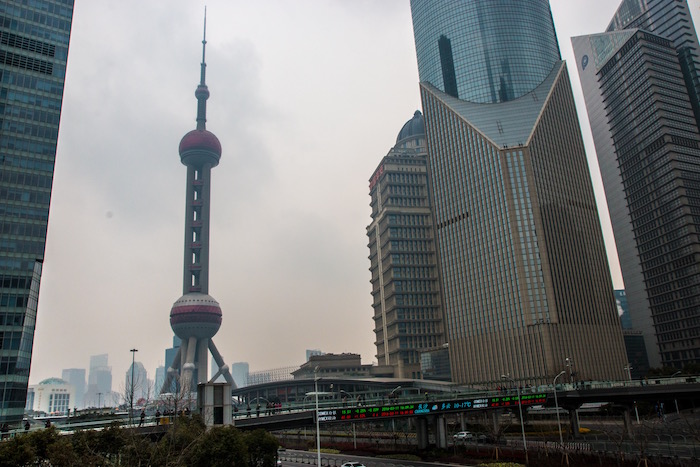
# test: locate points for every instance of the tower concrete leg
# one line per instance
(182, 352)
(202, 354)
(187, 371)
(223, 368)
(422, 432)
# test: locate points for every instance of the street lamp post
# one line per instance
(391, 399)
(318, 433)
(570, 364)
(628, 369)
(522, 422)
(556, 408)
(391, 394)
(131, 397)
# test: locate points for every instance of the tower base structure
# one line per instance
(191, 356)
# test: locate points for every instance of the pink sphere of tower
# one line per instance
(195, 315)
(199, 147)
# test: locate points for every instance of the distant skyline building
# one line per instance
(33, 55)
(99, 388)
(142, 388)
(623, 309)
(76, 378)
(196, 316)
(312, 352)
(406, 288)
(170, 354)
(522, 261)
(159, 379)
(641, 81)
(239, 372)
(272, 375)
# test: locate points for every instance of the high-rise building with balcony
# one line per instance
(525, 277)
(403, 261)
(33, 55)
(641, 86)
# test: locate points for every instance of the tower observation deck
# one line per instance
(196, 316)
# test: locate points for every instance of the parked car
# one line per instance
(353, 464)
(463, 436)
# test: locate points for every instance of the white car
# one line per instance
(353, 464)
(463, 435)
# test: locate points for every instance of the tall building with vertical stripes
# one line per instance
(406, 292)
(526, 281)
(641, 84)
(33, 54)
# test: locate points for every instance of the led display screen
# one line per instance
(429, 407)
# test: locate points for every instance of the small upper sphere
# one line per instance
(200, 146)
(201, 92)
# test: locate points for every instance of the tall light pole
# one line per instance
(318, 433)
(569, 364)
(391, 394)
(522, 422)
(628, 369)
(131, 398)
(556, 406)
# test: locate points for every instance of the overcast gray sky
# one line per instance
(307, 96)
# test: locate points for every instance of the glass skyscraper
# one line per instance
(640, 83)
(33, 53)
(484, 51)
(525, 277)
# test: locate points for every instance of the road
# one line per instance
(293, 458)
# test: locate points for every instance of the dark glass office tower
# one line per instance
(33, 52)
(406, 288)
(640, 86)
(522, 261)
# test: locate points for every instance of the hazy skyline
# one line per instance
(306, 99)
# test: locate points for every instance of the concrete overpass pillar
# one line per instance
(627, 418)
(422, 432)
(462, 423)
(441, 432)
(573, 419)
(495, 420)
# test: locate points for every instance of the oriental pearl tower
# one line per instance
(196, 316)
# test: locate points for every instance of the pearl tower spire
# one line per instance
(196, 316)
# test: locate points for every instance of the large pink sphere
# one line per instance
(200, 146)
(195, 315)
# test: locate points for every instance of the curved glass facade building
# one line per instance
(506, 48)
(525, 280)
